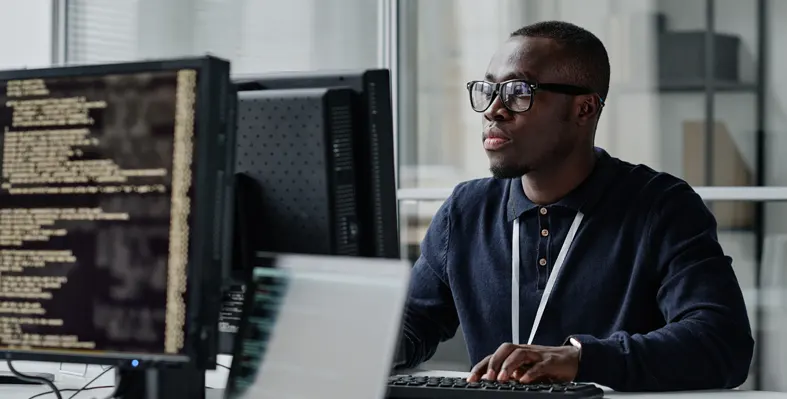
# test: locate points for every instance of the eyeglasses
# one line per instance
(516, 95)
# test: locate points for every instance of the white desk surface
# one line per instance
(218, 379)
(22, 392)
(611, 394)
(76, 376)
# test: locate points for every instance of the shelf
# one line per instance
(687, 87)
(713, 193)
(695, 86)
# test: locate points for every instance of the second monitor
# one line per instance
(297, 146)
(373, 147)
(316, 150)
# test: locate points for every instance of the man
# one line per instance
(645, 298)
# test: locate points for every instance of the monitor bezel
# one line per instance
(201, 262)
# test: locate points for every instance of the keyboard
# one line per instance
(409, 387)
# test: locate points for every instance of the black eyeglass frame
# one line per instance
(534, 88)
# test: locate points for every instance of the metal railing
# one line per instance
(754, 194)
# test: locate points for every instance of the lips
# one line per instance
(494, 140)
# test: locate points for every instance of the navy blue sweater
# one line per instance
(646, 287)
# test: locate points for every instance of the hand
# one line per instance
(528, 364)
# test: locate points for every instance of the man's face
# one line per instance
(520, 142)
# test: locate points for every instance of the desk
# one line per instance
(213, 378)
(21, 392)
(26, 391)
(612, 394)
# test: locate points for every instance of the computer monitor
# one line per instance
(373, 143)
(292, 129)
(295, 183)
(112, 215)
(297, 145)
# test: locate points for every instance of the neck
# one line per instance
(549, 185)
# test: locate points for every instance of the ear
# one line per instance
(588, 109)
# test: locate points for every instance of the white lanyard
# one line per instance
(561, 257)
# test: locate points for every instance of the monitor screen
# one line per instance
(95, 209)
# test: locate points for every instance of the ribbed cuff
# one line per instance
(600, 362)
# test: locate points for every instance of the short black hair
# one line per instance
(584, 56)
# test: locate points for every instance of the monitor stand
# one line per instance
(8, 378)
(171, 383)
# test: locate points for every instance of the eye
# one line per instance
(518, 89)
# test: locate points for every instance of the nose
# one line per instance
(497, 111)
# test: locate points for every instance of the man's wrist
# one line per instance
(575, 343)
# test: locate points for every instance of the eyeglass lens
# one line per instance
(515, 95)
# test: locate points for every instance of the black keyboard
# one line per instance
(409, 387)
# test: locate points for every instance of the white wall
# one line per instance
(25, 33)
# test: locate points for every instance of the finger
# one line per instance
(516, 360)
(479, 370)
(536, 373)
(518, 373)
(497, 359)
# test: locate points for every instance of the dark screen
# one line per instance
(94, 211)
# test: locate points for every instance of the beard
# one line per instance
(502, 171)
(502, 168)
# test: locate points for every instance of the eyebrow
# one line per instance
(517, 75)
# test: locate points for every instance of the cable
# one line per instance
(69, 390)
(90, 382)
(121, 386)
(85, 387)
(114, 393)
(29, 378)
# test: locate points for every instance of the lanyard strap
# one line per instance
(561, 257)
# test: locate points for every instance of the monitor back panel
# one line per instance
(297, 145)
(375, 169)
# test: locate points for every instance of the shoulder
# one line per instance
(472, 200)
(478, 193)
(655, 190)
(479, 189)
(465, 205)
(667, 205)
(672, 214)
